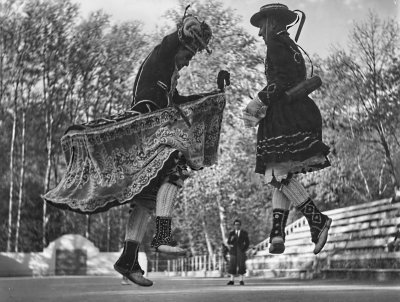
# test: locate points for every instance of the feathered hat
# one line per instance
(200, 38)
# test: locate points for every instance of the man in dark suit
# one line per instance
(238, 242)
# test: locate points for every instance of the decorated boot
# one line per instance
(162, 241)
(277, 236)
(318, 222)
(128, 266)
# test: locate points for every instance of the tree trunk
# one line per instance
(189, 232)
(21, 181)
(122, 222)
(191, 242)
(363, 177)
(207, 238)
(108, 231)
(87, 232)
(389, 159)
(359, 166)
(10, 203)
(222, 218)
(49, 138)
(381, 187)
(56, 158)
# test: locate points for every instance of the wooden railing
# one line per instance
(199, 266)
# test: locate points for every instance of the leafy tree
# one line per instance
(360, 98)
(46, 76)
(55, 71)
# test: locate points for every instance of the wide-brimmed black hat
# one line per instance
(277, 10)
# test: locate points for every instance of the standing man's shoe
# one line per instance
(230, 283)
(241, 282)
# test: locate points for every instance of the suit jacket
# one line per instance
(240, 244)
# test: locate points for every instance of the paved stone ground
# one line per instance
(109, 289)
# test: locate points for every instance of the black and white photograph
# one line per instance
(208, 150)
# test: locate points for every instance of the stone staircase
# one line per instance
(357, 246)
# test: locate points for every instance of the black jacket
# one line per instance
(284, 67)
(240, 244)
(153, 81)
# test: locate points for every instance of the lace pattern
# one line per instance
(117, 161)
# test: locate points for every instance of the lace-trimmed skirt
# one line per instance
(289, 140)
(112, 162)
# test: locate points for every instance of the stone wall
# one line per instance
(69, 254)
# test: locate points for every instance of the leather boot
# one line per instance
(318, 222)
(128, 266)
(277, 235)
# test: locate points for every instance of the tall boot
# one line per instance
(318, 222)
(162, 241)
(277, 235)
(137, 265)
(128, 266)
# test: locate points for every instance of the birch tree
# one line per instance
(362, 94)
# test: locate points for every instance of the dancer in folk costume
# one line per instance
(289, 137)
(142, 156)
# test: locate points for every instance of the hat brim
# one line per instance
(285, 15)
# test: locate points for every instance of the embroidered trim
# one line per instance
(110, 164)
(162, 85)
(139, 75)
(286, 150)
(300, 133)
(286, 143)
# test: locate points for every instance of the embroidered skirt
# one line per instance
(114, 162)
(289, 140)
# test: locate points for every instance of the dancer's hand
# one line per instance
(256, 108)
(254, 112)
(223, 78)
(249, 120)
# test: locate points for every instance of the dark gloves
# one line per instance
(224, 78)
